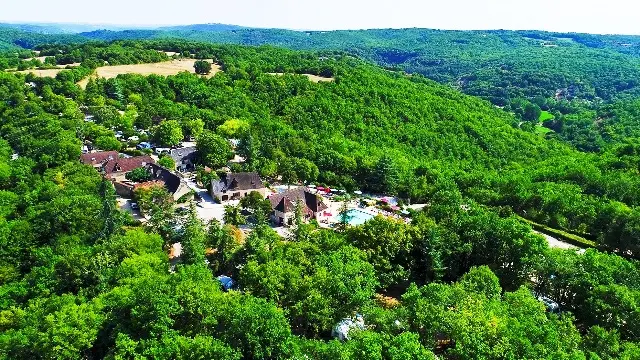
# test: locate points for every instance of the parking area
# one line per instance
(127, 205)
(207, 211)
(207, 208)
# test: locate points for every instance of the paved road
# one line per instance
(208, 209)
(202, 193)
(125, 205)
(555, 243)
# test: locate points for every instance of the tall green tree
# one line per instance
(233, 215)
(202, 67)
(193, 239)
(385, 177)
(168, 133)
(344, 215)
(112, 218)
(214, 150)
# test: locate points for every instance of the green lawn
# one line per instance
(541, 130)
(545, 115)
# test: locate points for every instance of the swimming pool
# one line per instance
(358, 217)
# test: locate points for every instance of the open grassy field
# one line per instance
(314, 78)
(42, 73)
(541, 130)
(41, 58)
(545, 115)
(48, 72)
(166, 68)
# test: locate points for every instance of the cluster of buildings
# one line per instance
(235, 186)
(231, 186)
(115, 168)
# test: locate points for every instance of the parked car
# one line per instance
(133, 138)
(551, 305)
(143, 145)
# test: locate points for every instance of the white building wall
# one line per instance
(241, 193)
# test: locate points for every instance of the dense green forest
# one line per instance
(572, 80)
(569, 76)
(79, 279)
(497, 65)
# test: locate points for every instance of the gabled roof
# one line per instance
(183, 153)
(126, 164)
(285, 202)
(285, 205)
(98, 157)
(159, 174)
(238, 181)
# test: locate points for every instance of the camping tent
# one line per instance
(341, 331)
(227, 282)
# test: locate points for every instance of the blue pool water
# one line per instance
(358, 217)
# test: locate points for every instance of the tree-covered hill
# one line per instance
(498, 65)
(569, 76)
(12, 38)
(80, 279)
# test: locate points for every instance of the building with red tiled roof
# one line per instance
(98, 158)
(284, 205)
(118, 167)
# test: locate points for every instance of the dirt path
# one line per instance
(555, 243)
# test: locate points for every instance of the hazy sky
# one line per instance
(610, 16)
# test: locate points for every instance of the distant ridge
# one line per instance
(65, 28)
(496, 65)
(111, 35)
(203, 27)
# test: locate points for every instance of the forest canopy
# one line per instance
(81, 279)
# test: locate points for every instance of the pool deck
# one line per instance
(364, 216)
(335, 206)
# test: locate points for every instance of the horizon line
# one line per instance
(159, 26)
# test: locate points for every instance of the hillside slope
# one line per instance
(497, 65)
(374, 129)
(370, 129)
(15, 38)
(573, 77)
(82, 279)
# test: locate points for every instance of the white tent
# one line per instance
(341, 331)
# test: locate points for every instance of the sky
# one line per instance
(603, 17)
